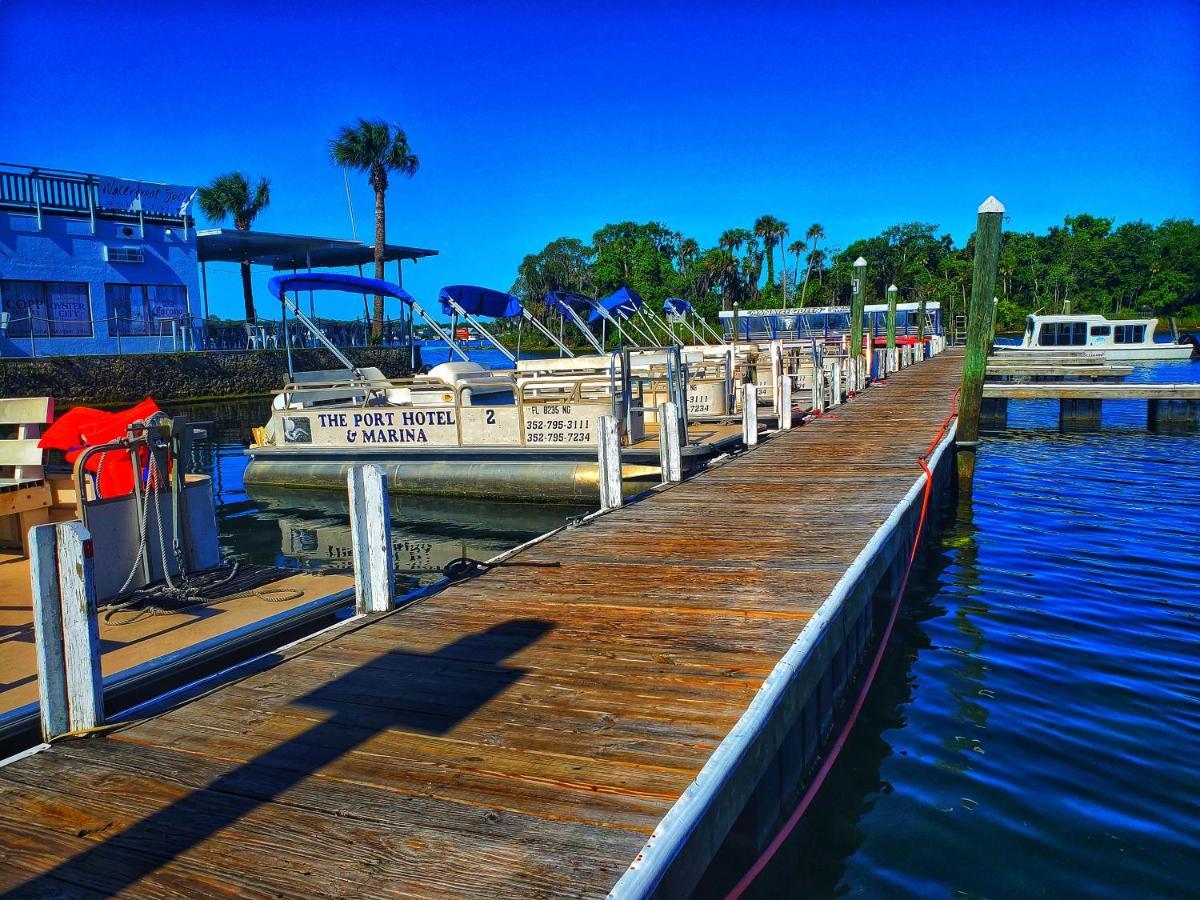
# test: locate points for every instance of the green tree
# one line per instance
(231, 196)
(772, 232)
(377, 148)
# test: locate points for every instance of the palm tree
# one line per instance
(230, 196)
(797, 247)
(772, 231)
(733, 239)
(376, 148)
(720, 268)
(815, 233)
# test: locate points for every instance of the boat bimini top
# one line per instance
(282, 285)
(680, 310)
(469, 301)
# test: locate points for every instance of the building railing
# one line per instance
(187, 333)
(36, 190)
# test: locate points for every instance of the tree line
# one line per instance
(1088, 262)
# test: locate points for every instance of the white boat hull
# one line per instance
(1161, 351)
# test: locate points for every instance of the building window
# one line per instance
(46, 308)
(1129, 334)
(144, 309)
(1062, 334)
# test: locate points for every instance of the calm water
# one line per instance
(310, 529)
(1034, 730)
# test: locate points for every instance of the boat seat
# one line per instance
(25, 497)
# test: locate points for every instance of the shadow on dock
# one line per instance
(474, 664)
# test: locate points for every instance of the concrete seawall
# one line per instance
(104, 380)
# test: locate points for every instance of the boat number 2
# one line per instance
(490, 417)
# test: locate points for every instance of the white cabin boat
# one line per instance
(1115, 339)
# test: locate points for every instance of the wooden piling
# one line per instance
(858, 300)
(783, 391)
(921, 311)
(371, 539)
(979, 329)
(67, 635)
(749, 415)
(669, 457)
(892, 293)
(610, 464)
(47, 631)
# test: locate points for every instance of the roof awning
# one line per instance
(284, 252)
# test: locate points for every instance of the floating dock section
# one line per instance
(593, 719)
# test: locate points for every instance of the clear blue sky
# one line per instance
(535, 122)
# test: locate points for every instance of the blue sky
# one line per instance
(536, 121)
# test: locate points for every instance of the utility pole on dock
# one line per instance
(980, 316)
(857, 302)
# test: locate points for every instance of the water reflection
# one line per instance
(311, 529)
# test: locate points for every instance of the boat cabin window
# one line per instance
(1129, 334)
(1062, 334)
(1101, 330)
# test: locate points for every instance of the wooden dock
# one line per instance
(1075, 390)
(522, 734)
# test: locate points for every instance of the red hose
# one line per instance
(831, 757)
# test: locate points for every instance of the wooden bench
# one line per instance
(25, 495)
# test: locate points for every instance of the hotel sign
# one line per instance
(142, 196)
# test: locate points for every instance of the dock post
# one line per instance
(921, 354)
(371, 539)
(47, 631)
(1078, 415)
(979, 329)
(835, 398)
(749, 415)
(669, 459)
(67, 636)
(892, 362)
(610, 464)
(783, 391)
(858, 301)
(776, 371)
(1172, 415)
(993, 413)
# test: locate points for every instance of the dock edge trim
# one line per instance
(650, 866)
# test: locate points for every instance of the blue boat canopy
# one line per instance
(334, 281)
(620, 304)
(677, 306)
(568, 300)
(479, 301)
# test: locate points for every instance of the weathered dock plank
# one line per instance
(518, 735)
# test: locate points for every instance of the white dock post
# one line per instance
(81, 631)
(670, 459)
(749, 415)
(371, 539)
(776, 371)
(783, 390)
(836, 398)
(610, 464)
(47, 631)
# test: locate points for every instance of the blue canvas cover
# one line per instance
(677, 306)
(620, 304)
(334, 281)
(564, 300)
(480, 301)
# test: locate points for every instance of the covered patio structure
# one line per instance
(296, 253)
